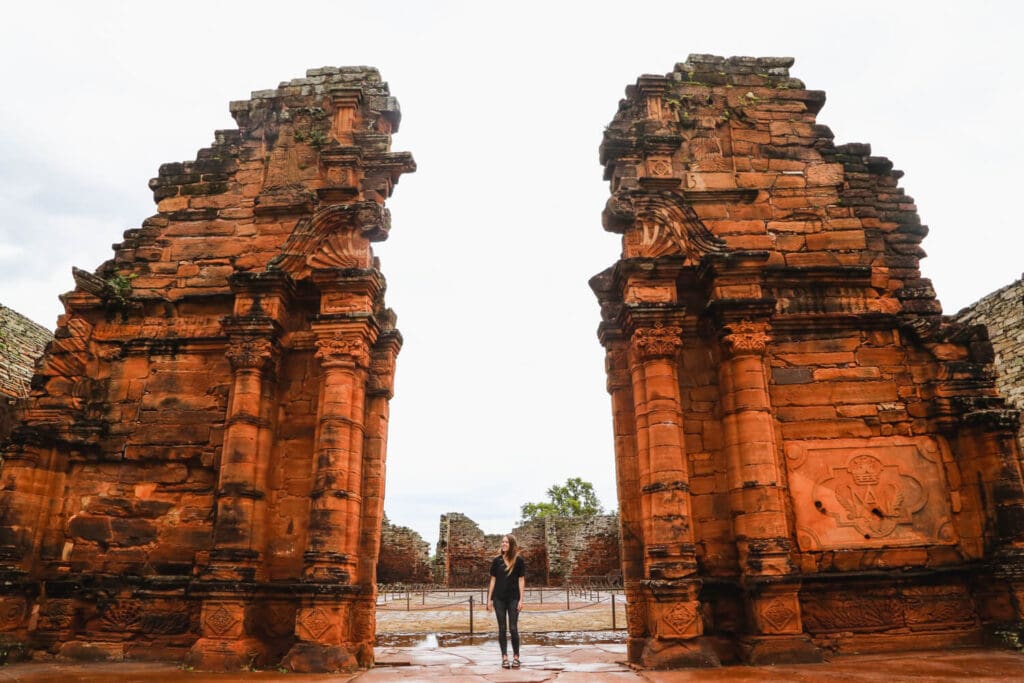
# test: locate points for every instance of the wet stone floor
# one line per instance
(595, 661)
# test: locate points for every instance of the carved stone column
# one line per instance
(627, 476)
(324, 622)
(378, 397)
(236, 559)
(758, 500)
(672, 608)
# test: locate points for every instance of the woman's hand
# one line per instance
(520, 607)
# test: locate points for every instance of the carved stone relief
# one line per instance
(869, 493)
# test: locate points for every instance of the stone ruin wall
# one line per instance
(21, 343)
(404, 556)
(1002, 314)
(809, 457)
(556, 549)
(198, 473)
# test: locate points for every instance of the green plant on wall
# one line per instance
(119, 288)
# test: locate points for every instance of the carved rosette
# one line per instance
(343, 350)
(746, 338)
(657, 342)
(250, 354)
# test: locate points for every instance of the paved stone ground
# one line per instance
(563, 664)
(426, 645)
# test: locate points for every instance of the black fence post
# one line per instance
(471, 615)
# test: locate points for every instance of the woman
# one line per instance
(508, 586)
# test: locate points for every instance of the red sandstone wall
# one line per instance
(808, 454)
(199, 468)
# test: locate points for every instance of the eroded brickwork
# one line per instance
(199, 470)
(404, 556)
(808, 455)
(556, 550)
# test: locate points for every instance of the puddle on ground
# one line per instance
(430, 641)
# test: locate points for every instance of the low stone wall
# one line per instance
(556, 549)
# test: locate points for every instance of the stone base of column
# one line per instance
(782, 649)
(226, 643)
(328, 636)
(226, 654)
(658, 653)
(306, 657)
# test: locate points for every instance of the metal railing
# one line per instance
(579, 594)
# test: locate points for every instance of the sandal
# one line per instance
(504, 663)
(515, 662)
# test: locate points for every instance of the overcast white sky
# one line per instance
(500, 385)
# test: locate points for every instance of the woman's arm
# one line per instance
(522, 592)
(490, 592)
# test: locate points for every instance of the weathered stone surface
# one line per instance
(404, 556)
(808, 454)
(1002, 314)
(203, 446)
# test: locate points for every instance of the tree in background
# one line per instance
(575, 499)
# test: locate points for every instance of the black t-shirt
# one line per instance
(506, 586)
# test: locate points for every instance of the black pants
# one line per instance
(508, 619)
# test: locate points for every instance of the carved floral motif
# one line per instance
(122, 615)
(746, 338)
(12, 612)
(680, 617)
(315, 621)
(219, 621)
(250, 353)
(777, 614)
(657, 341)
(343, 348)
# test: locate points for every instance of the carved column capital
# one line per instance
(256, 353)
(343, 349)
(658, 341)
(746, 338)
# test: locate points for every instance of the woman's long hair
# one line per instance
(513, 554)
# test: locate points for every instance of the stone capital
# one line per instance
(250, 353)
(746, 338)
(658, 341)
(341, 349)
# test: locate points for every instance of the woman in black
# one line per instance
(508, 586)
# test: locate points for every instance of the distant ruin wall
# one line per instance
(555, 549)
(21, 343)
(404, 555)
(1002, 314)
